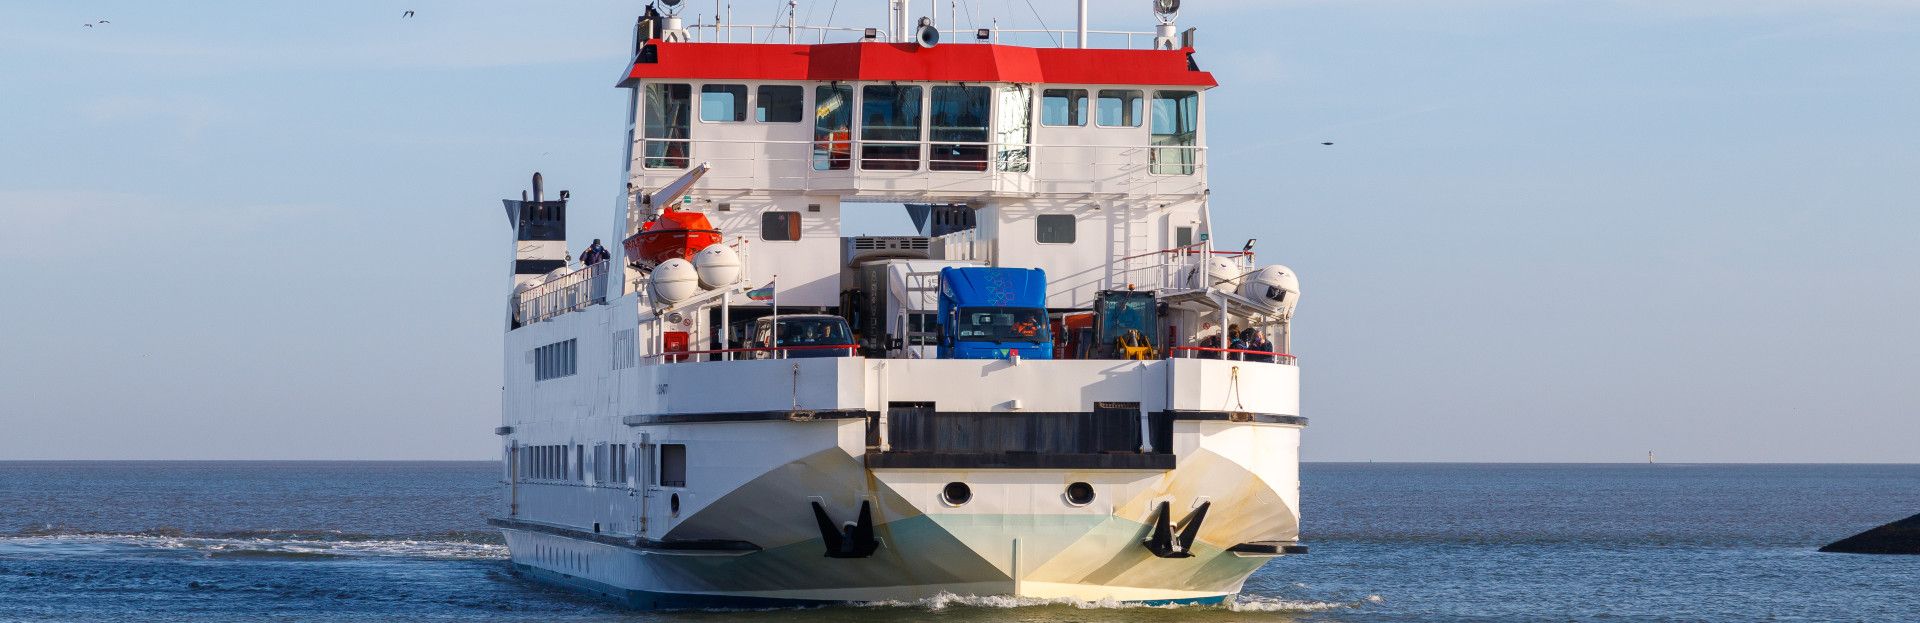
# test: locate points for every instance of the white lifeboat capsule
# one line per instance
(1219, 270)
(675, 280)
(717, 265)
(1276, 286)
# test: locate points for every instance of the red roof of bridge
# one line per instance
(907, 62)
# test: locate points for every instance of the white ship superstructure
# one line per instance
(1060, 388)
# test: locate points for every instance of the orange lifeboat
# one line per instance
(674, 234)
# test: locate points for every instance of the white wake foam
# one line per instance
(262, 547)
(1242, 603)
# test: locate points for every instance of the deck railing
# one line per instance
(567, 292)
(704, 29)
(928, 166)
(1236, 354)
(1173, 269)
(729, 354)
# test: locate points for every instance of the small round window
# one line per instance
(673, 504)
(1079, 493)
(956, 493)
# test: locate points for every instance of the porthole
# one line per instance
(673, 504)
(956, 493)
(1079, 494)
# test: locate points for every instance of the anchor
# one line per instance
(1164, 543)
(853, 539)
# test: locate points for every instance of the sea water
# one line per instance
(406, 541)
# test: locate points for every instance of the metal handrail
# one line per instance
(568, 292)
(754, 30)
(676, 356)
(1280, 358)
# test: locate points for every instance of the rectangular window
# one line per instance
(890, 128)
(1054, 229)
(780, 226)
(673, 465)
(554, 361)
(667, 112)
(723, 102)
(1182, 237)
(959, 131)
(832, 128)
(619, 466)
(600, 464)
(1015, 130)
(1120, 108)
(1176, 132)
(1063, 107)
(579, 462)
(779, 103)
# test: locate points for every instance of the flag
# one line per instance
(762, 293)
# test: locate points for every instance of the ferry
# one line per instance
(1067, 384)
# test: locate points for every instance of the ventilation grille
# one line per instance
(904, 243)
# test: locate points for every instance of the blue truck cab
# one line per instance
(993, 313)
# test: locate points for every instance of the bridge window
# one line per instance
(779, 104)
(1176, 132)
(890, 128)
(1015, 127)
(723, 102)
(1063, 107)
(1120, 108)
(1054, 229)
(832, 128)
(960, 128)
(780, 226)
(667, 110)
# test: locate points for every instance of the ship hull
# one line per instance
(757, 545)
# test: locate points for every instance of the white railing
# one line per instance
(727, 32)
(958, 166)
(567, 292)
(1067, 38)
(1178, 268)
(778, 33)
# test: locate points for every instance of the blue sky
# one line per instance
(1547, 231)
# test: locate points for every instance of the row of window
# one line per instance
(781, 226)
(554, 361)
(902, 127)
(772, 103)
(612, 463)
(549, 462)
(1115, 108)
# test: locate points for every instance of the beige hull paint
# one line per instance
(1017, 536)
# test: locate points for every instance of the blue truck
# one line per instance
(994, 313)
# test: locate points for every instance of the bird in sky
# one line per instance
(1328, 143)
(407, 14)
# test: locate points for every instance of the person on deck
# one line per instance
(595, 254)
(1210, 341)
(1258, 341)
(1235, 341)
